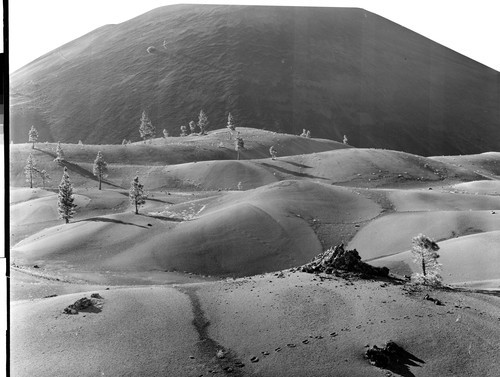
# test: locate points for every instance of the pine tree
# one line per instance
(137, 196)
(100, 167)
(44, 176)
(192, 127)
(30, 169)
(203, 122)
(65, 199)
(146, 129)
(33, 136)
(59, 153)
(230, 122)
(183, 131)
(425, 254)
(239, 144)
(273, 152)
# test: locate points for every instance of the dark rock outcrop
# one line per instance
(338, 258)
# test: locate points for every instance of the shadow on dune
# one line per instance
(406, 359)
(107, 220)
(394, 358)
(164, 218)
(78, 169)
(297, 164)
(91, 309)
(291, 172)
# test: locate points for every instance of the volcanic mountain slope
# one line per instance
(334, 71)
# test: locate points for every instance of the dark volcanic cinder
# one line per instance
(334, 71)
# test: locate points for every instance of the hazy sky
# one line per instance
(471, 28)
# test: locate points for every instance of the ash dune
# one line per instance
(486, 163)
(161, 311)
(283, 322)
(152, 157)
(439, 225)
(352, 167)
(467, 259)
(267, 229)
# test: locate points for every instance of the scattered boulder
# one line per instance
(338, 258)
(434, 300)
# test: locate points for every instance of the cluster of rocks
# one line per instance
(338, 258)
(95, 301)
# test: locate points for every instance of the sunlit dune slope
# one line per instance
(473, 258)
(352, 167)
(125, 161)
(297, 325)
(274, 227)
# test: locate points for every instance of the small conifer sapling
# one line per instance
(273, 152)
(65, 199)
(203, 122)
(137, 196)
(30, 169)
(230, 122)
(100, 167)
(238, 145)
(44, 176)
(33, 136)
(59, 153)
(192, 127)
(184, 131)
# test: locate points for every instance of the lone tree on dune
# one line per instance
(230, 125)
(230, 122)
(146, 129)
(273, 152)
(136, 194)
(30, 169)
(192, 127)
(33, 136)
(238, 145)
(44, 176)
(59, 153)
(425, 254)
(65, 199)
(203, 122)
(100, 167)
